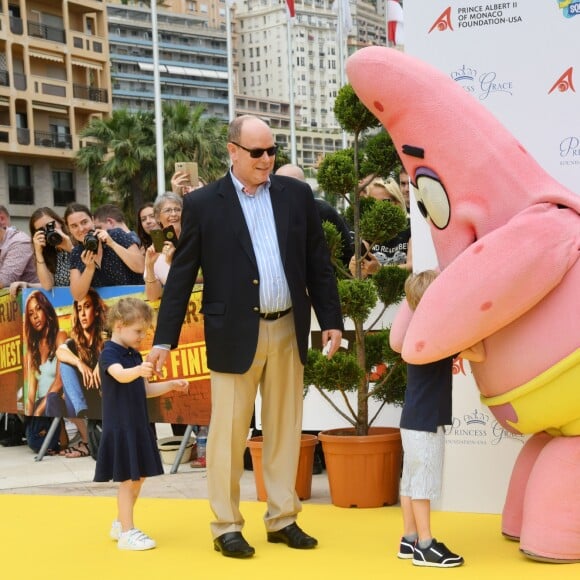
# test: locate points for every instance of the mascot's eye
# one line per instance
(433, 201)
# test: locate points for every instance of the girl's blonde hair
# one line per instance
(416, 284)
(127, 311)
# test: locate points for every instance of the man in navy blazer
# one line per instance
(259, 243)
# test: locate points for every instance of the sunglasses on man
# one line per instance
(257, 153)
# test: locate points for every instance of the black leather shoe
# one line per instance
(293, 537)
(233, 545)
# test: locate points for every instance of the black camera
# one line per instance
(53, 238)
(91, 242)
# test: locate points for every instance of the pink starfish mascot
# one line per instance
(507, 237)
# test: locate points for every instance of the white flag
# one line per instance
(343, 9)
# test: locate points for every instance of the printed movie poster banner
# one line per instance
(520, 60)
(11, 366)
(50, 349)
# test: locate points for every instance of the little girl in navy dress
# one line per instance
(128, 450)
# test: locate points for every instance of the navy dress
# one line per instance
(128, 449)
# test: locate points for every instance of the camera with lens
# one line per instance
(53, 238)
(91, 242)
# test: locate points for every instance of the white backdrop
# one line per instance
(510, 56)
(518, 59)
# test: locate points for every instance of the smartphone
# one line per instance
(189, 167)
(169, 235)
(158, 237)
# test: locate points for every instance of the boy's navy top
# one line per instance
(428, 396)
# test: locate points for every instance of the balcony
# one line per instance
(21, 194)
(19, 81)
(54, 88)
(52, 139)
(46, 32)
(23, 136)
(90, 93)
(16, 25)
(62, 197)
(87, 42)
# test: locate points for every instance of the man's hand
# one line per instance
(157, 357)
(331, 341)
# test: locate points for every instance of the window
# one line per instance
(63, 188)
(20, 189)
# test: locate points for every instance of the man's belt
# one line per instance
(274, 315)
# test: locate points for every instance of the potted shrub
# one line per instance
(355, 371)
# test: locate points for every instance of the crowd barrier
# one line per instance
(17, 351)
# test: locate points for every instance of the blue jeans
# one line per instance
(74, 397)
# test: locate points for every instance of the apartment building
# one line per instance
(54, 77)
(266, 61)
(192, 57)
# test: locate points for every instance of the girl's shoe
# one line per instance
(135, 540)
(116, 530)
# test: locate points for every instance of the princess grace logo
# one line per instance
(570, 151)
(477, 428)
(569, 8)
(492, 14)
(481, 85)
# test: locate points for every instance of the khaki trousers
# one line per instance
(278, 371)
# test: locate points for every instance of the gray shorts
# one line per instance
(423, 454)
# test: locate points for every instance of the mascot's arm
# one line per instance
(493, 282)
(399, 327)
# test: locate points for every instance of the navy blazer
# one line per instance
(215, 238)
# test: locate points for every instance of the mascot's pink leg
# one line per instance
(551, 516)
(511, 524)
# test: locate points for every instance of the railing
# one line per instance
(87, 42)
(16, 25)
(62, 197)
(4, 78)
(47, 32)
(19, 81)
(21, 194)
(23, 136)
(90, 93)
(52, 139)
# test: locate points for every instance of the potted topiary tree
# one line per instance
(355, 371)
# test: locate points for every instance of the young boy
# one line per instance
(427, 408)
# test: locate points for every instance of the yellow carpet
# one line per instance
(67, 538)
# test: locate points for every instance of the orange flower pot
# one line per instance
(305, 463)
(363, 471)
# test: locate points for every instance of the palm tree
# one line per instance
(191, 136)
(120, 158)
(120, 154)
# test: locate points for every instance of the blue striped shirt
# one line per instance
(257, 208)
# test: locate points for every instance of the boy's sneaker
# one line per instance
(406, 549)
(116, 530)
(135, 540)
(436, 555)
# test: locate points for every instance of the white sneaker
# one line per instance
(116, 530)
(135, 540)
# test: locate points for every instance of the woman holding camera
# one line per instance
(167, 209)
(52, 248)
(101, 257)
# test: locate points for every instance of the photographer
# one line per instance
(52, 248)
(101, 258)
